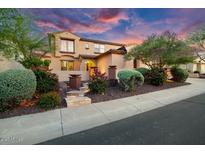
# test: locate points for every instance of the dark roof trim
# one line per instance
(88, 56)
(100, 41)
(112, 51)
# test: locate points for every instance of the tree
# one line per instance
(17, 39)
(197, 40)
(161, 50)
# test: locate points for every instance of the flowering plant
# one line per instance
(98, 82)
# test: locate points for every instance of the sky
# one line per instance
(118, 25)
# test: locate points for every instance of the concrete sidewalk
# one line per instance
(36, 128)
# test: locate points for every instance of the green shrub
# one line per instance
(34, 62)
(179, 75)
(46, 63)
(49, 100)
(142, 70)
(46, 81)
(98, 83)
(128, 79)
(156, 76)
(7, 64)
(16, 85)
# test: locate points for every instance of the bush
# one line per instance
(49, 100)
(35, 62)
(7, 64)
(179, 75)
(129, 79)
(46, 81)
(16, 85)
(98, 83)
(142, 70)
(46, 63)
(156, 76)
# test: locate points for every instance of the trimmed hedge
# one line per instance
(16, 85)
(49, 100)
(142, 70)
(128, 79)
(179, 75)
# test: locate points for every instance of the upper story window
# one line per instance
(99, 48)
(67, 45)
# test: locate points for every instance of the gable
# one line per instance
(66, 34)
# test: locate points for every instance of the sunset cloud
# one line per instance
(47, 24)
(111, 16)
(128, 40)
(121, 25)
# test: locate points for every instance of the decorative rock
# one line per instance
(73, 101)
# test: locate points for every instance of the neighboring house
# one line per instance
(198, 64)
(75, 55)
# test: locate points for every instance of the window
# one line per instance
(99, 48)
(67, 65)
(67, 45)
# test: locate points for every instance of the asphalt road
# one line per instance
(179, 123)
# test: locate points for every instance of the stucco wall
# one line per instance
(79, 45)
(202, 68)
(118, 60)
(55, 66)
(104, 62)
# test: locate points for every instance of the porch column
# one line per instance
(75, 81)
(112, 75)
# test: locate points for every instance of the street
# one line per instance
(179, 123)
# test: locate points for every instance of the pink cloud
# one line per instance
(47, 24)
(128, 40)
(111, 16)
(93, 28)
(86, 28)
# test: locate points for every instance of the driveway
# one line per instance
(179, 123)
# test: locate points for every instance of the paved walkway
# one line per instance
(36, 128)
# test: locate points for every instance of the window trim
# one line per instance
(99, 48)
(67, 39)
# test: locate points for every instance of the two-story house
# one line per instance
(73, 54)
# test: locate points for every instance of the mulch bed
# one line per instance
(116, 93)
(26, 107)
(30, 107)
